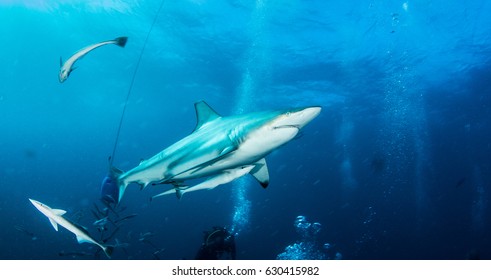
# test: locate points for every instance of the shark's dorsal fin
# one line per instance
(204, 114)
(261, 173)
(58, 212)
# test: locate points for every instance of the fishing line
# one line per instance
(111, 159)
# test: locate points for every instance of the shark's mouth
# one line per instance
(287, 126)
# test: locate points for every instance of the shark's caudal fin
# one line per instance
(110, 186)
(121, 41)
(108, 250)
(121, 185)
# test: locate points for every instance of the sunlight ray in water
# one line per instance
(255, 67)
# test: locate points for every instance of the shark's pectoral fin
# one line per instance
(54, 224)
(179, 193)
(71, 70)
(261, 173)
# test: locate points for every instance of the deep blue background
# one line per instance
(397, 165)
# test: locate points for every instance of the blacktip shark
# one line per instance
(221, 149)
(56, 218)
(67, 67)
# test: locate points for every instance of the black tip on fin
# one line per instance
(109, 251)
(264, 184)
(121, 41)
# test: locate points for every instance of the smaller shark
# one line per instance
(226, 177)
(67, 67)
(56, 218)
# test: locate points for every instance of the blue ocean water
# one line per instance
(396, 166)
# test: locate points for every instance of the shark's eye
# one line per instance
(288, 114)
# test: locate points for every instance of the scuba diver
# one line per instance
(218, 244)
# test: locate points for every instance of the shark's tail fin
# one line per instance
(121, 185)
(121, 41)
(108, 250)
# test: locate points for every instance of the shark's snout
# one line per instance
(37, 204)
(62, 77)
(310, 113)
(302, 117)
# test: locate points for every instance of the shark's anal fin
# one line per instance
(204, 114)
(261, 173)
(54, 224)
